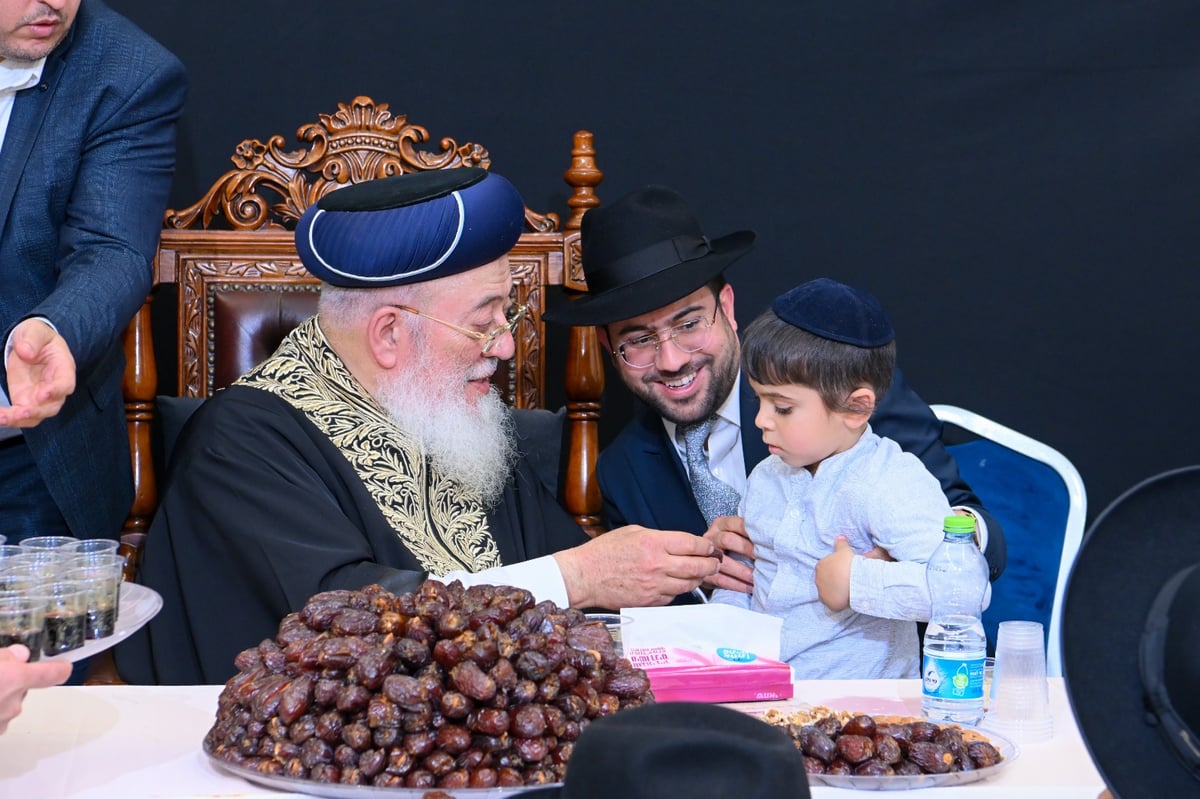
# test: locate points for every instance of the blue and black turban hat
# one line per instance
(410, 228)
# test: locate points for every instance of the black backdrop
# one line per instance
(1017, 181)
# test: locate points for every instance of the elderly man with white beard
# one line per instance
(371, 447)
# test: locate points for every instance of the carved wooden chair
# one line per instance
(241, 286)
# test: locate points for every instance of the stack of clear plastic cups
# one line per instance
(1020, 702)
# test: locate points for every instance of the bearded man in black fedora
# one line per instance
(665, 312)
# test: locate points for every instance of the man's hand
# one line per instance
(41, 374)
(728, 535)
(17, 677)
(635, 567)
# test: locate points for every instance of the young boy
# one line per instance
(819, 361)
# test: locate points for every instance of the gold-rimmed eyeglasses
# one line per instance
(489, 339)
(689, 335)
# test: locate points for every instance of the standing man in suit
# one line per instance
(666, 315)
(88, 107)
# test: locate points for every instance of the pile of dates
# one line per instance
(443, 687)
(863, 748)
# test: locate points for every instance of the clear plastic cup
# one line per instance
(66, 615)
(49, 542)
(81, 560)
(22, 579)
(1020, 697)
(96, 546)
(102, 585)
(22, 621)
(47, 564)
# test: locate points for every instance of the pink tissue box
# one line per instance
(725, 675)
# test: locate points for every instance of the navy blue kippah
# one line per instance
(833, 310)
(410, 228)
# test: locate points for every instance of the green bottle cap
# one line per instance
(959, 525)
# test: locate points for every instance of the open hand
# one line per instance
(41, 374)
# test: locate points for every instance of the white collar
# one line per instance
(18, 75)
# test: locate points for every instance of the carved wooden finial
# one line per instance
(583, 177)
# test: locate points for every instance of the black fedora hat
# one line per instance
(642, 252)
(1131, 638)
(685, 749)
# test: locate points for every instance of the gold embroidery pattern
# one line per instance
(438, 520)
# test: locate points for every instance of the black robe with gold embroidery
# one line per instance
(262, 510)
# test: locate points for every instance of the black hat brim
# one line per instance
(1142, 539)
(654, 291)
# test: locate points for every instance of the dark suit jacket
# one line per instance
(85, 170)
(644, 482)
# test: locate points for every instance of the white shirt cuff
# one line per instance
(981, 530)
(540, 577)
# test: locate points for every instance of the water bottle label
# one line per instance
(952, 678)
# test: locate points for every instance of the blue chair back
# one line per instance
(1038, 497)
(1030, 501)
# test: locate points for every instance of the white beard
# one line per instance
(471, 443)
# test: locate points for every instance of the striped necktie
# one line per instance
(714, 496)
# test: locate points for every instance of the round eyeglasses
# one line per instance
(689, 335)
(489, 339)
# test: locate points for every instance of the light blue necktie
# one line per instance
(714, 496)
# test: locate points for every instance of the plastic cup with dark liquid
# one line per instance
(66, 616)
(102, 585)
(22, 620)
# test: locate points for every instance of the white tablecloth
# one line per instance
(137, 742)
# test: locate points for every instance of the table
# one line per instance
(139, 742)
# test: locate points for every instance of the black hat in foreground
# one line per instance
(1131, 638)
(835, 311)
(642, 252)
(685, 749)
(410, 228)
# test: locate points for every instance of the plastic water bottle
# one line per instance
(955, 644)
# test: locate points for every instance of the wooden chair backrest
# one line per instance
(241, 286)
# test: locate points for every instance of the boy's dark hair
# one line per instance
(776, 353)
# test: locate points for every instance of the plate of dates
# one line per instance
(441, 692)
(338, 791)
(891, 753)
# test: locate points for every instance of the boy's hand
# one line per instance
(833, 575)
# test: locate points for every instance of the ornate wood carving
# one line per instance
(271, 186)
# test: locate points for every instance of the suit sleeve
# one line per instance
(906, 419)
(114, 215)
